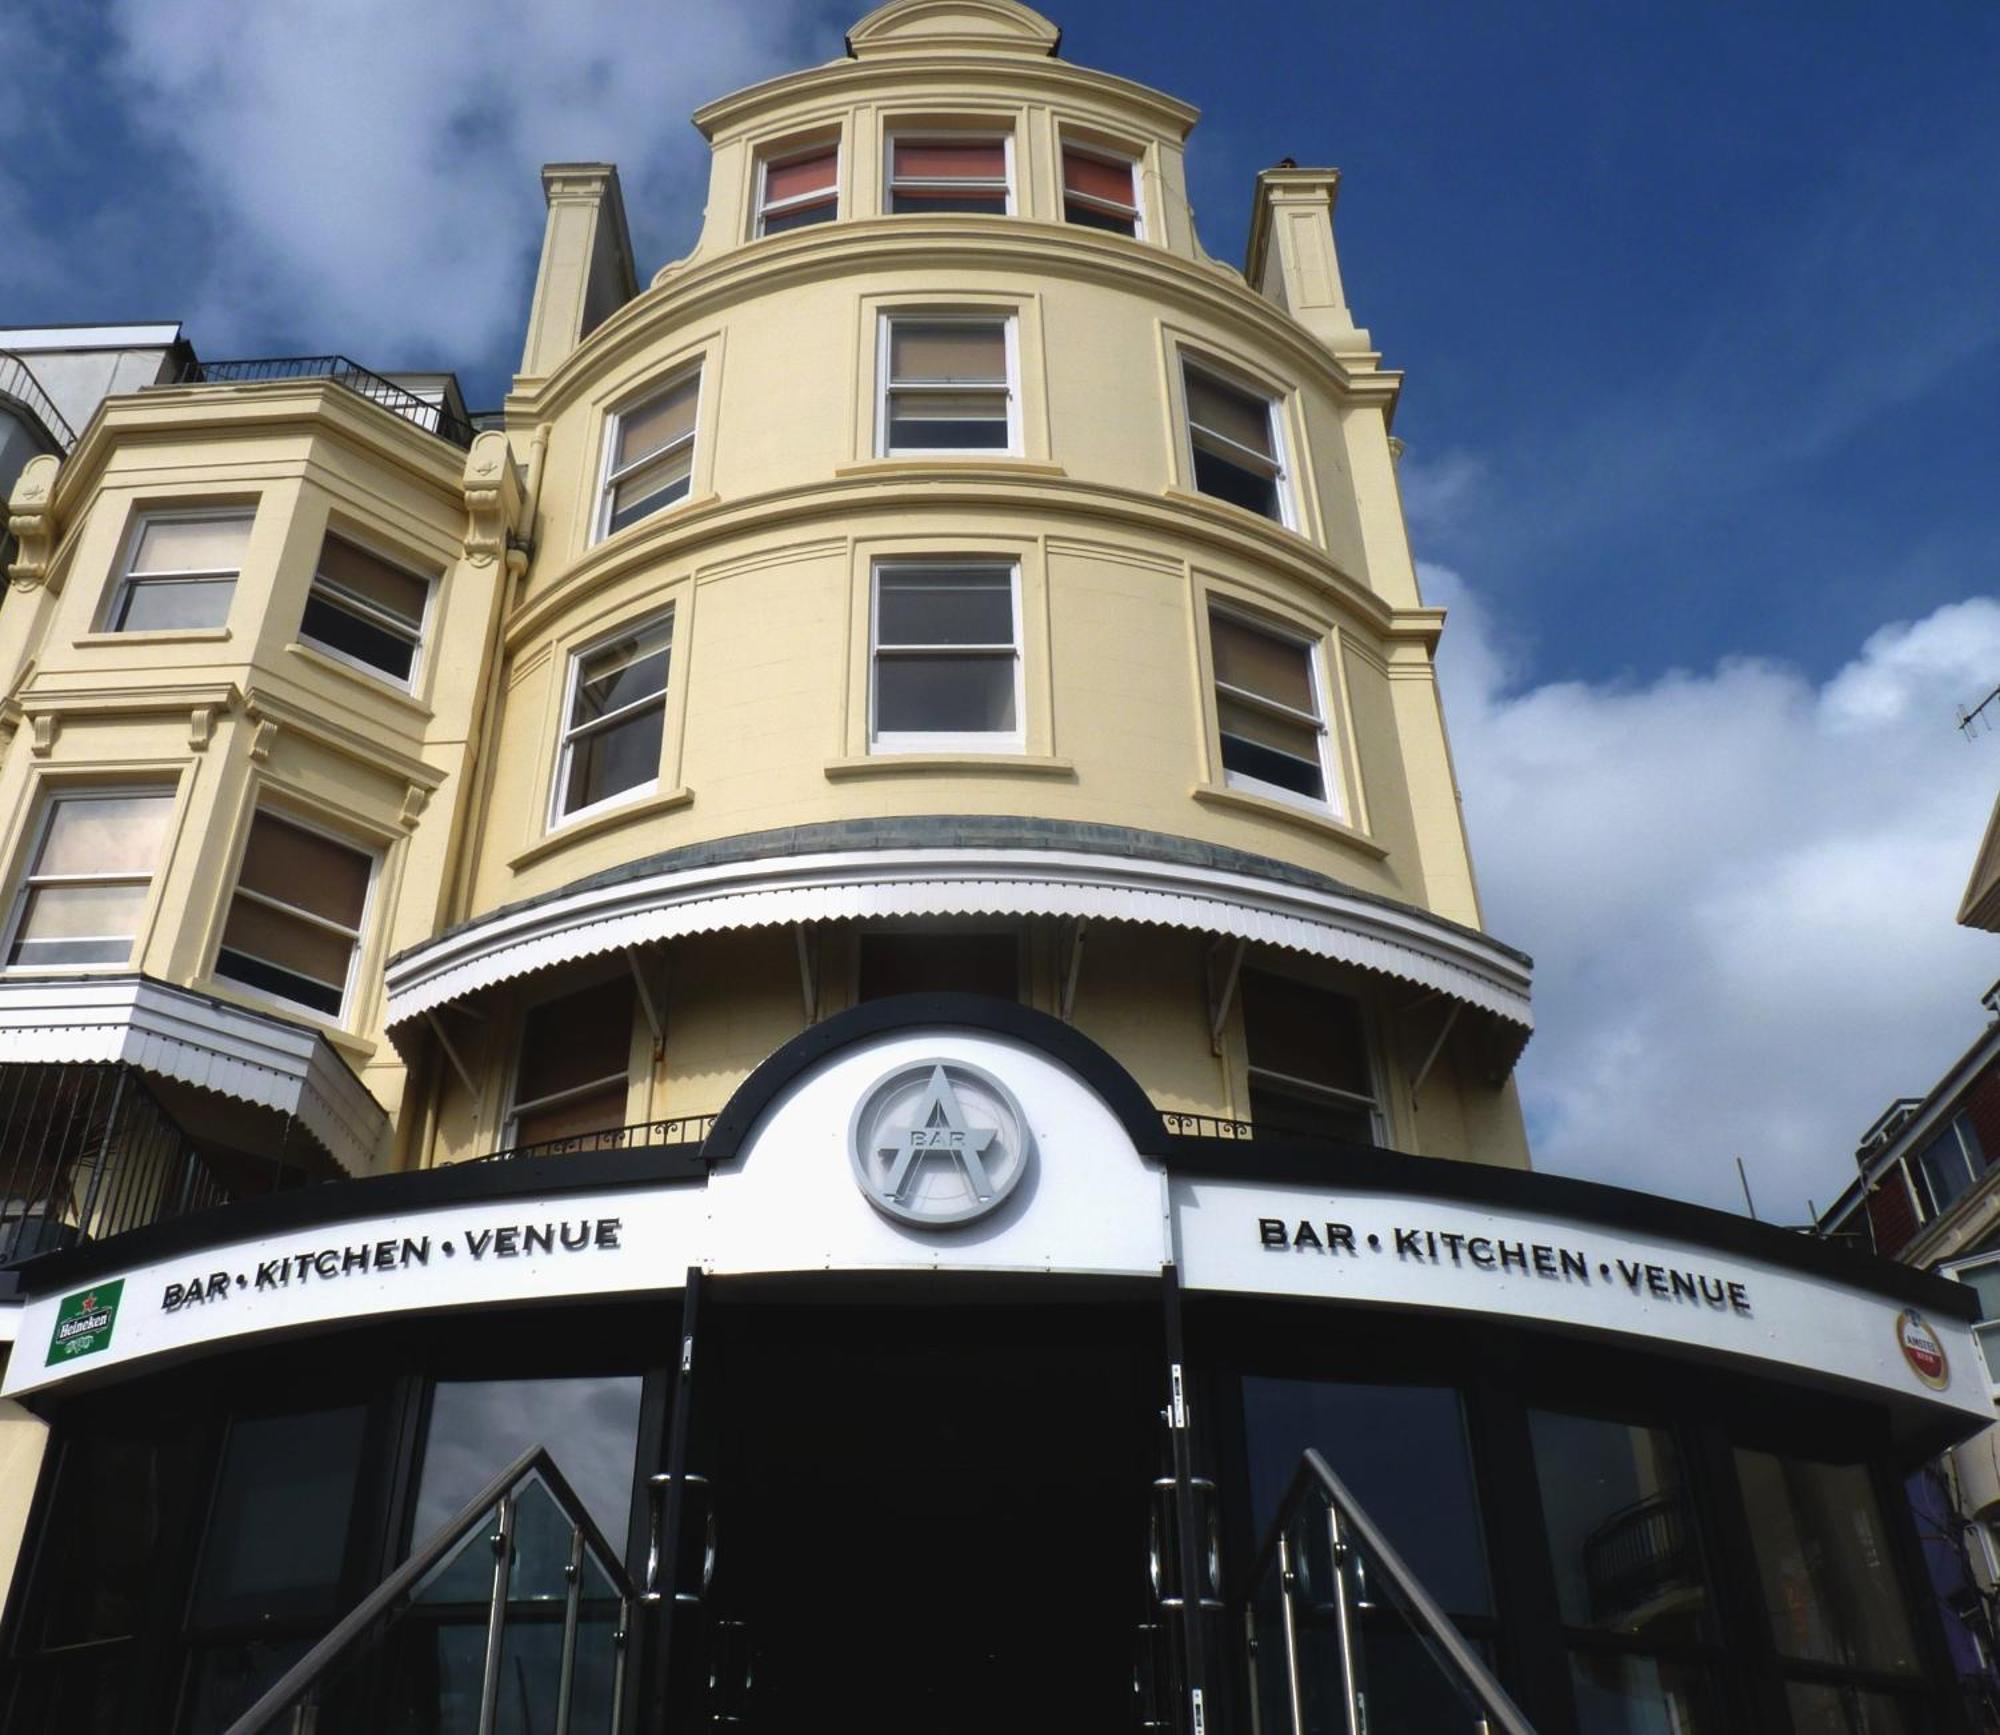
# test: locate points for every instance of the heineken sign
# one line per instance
(83, 1322)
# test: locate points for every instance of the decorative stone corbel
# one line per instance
(201, 727)
(263, 737)
(32, 519)
(415, 799)
(492, 498)
(43, 727)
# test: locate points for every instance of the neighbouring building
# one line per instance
(800, 1035)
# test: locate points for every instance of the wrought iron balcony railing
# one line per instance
(88, 1152)
(685, 1133)
(17, 381)
(397, 400)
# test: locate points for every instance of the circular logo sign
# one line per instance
(938, 1143)
(1922, 1349)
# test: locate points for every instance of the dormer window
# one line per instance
(956, 172)
(797, 189)
(1100, 190)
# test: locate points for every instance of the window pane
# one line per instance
(593, 1111)
(329, 621)
(622, 673)
(372, 579)
(590, 1427)
(800, 216)
(105, 835)
(1984, 1281)
(1305, 1033)
(312, 962)
(921, 963)
(1624, 1551)
(574, 1039)
(944, 694)
(78, 925)
(618, 757)
(305, 870)
(1824, 1710)
(914, 606)
(1098, 178)
(1274, 668)
(170, 605)
(277, 1538)
(800, 176)
(191, 545)
(1095, 217)
(659, 422)
(1633, 1695)
(647, 490)
(1823, 1554)
(1223, 409)
(1224, 480)
(947, 424)
(971, 160)
(1969, 1136)
(954, 351)
(927, 201)
(1947, 1175)
(1281, 1112)
(1402, 1452)
(1271, 750)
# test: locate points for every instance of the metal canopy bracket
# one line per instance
(808, 980)
(1072, 969)
(655, 1019)
(1222, 978)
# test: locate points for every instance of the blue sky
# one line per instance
(1698, 308)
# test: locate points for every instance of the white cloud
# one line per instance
(366, 175)
(1739, 889)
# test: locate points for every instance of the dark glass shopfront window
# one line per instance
(1403, 1455)
(1831, 1593)
(1629, 1580)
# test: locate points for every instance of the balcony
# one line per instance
(88, 1152)
(434, 416)
(683, 1135)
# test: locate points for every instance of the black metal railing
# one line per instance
(1205, 1126)
(88, 1152)
(1635, 1558)
(523, 1577)
(681, 1133)
(17, 381)
(1343, 1637)
(432, 418)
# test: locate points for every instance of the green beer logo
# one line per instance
(83, 1322)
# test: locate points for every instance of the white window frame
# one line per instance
(30, 879)
(1987, 1331)
(510, 1124)
(1280, 459)
(948, 740)
(567, 734)
(1102, 154)
(762, 206)
(406, 684)
(121, 587)
(356, 934)
(1010, 323)
(608, 478)
(975, 134)
(1311, 645)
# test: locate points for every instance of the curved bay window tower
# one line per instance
(800, 1034)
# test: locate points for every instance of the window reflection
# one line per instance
(1824, 1710)
(1823, 1555)
(478, 1427)
(1625, 1693)
(1403, 1454)
(1619, 1536)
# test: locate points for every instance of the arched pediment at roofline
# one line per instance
(961, 26)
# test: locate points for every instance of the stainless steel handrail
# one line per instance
(1349, 1527)
(498, 1494)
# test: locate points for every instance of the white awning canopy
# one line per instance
(177, 1034)
(1323, 922)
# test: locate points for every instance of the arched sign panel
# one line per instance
(962, 1147)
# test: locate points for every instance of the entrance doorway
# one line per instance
(932, 1515)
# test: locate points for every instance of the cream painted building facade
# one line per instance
(946, 601)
